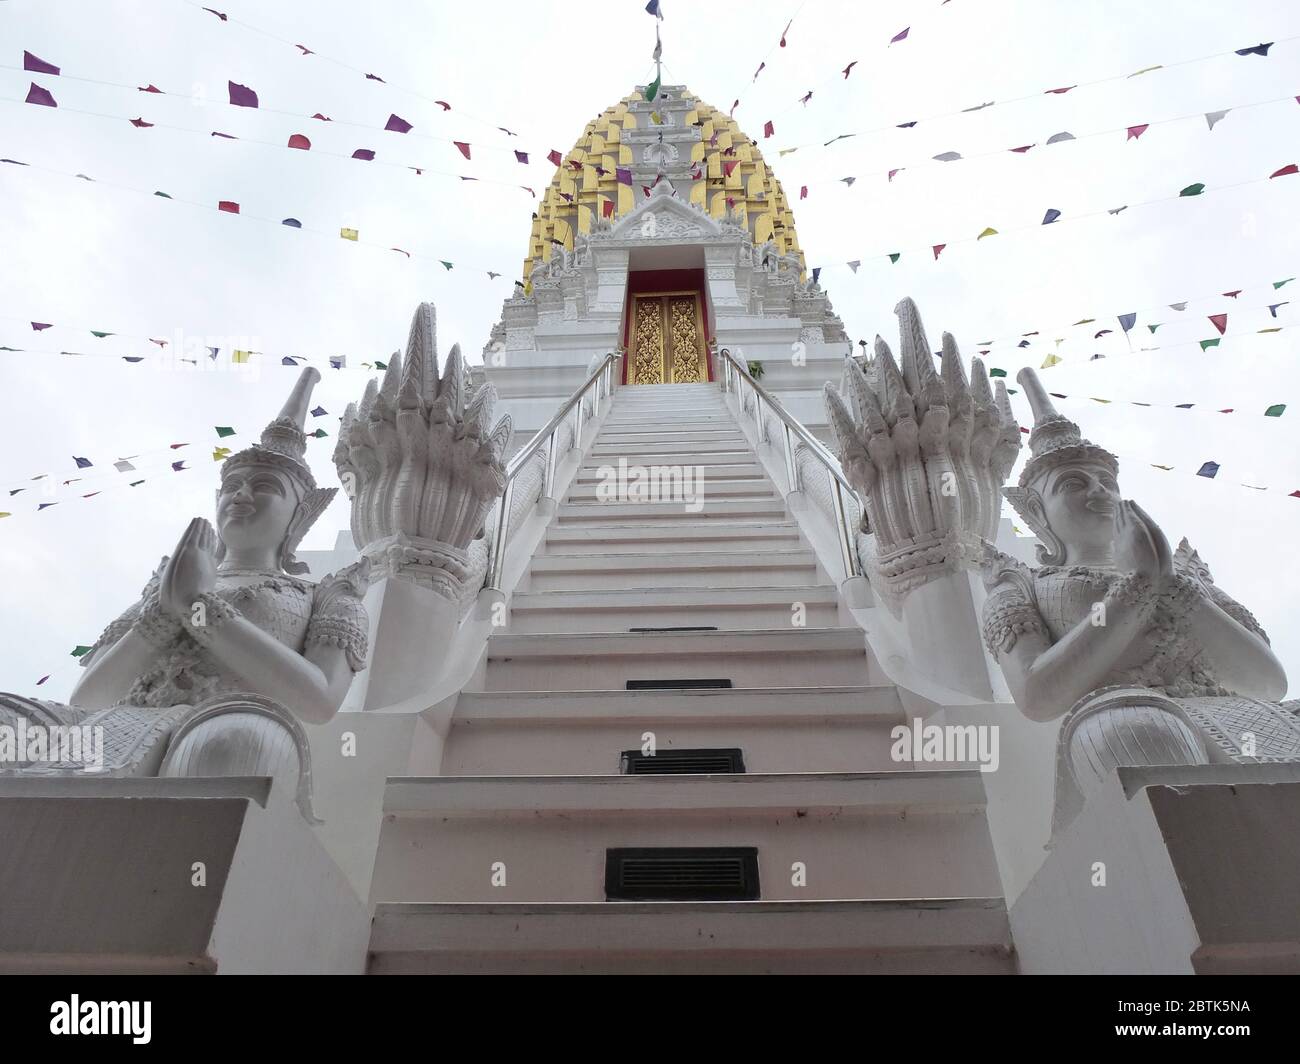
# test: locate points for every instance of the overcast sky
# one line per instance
(88, 256)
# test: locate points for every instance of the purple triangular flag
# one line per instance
(396, 124)
(41, 96)
(241, 95)
(37, 65)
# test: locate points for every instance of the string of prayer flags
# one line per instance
(38, 95)
(241, 95)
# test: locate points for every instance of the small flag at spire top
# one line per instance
(653, 8)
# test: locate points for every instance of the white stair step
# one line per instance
(615, 538)
(741, 608)
(706, 460)
(720, 471)
(654, 447)
(671, 513)
(701, 568)
(553, 662)
(670, 488)
(790, 705)
(894, 936)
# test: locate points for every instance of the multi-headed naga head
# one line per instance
(416, 455)
(927, 450)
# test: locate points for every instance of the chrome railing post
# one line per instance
(791, 469)
(498, 560)
(548, 482)
(848, 549)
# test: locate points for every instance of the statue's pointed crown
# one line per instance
(1054, 439)
(284, 441)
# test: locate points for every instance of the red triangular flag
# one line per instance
(151, 87)
(1220, 322)
(938, 248)
(1136, 131)
(140, 123)
(464, 148)
(607, 209)
(1289, 169)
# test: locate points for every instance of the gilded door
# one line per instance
(667, 339)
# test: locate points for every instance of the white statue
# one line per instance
(1133, 644)
(228, 648)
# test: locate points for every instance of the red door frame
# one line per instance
(648, 282)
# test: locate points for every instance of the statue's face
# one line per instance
(255, 507)
(1080, 501)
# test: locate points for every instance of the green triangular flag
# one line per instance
(1209, 343)
(1012, 391)
(319, 433)
(79, 651)
(100, 335)
(1154, 327)
(380, 365)
(651, 91)
(1193, 190)
(1279, 284)
(1275, 410)
(224, 430)
(997, 373)
(445, 263)
(895, 256)
(163, 195)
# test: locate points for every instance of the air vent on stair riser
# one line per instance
(676, 685)
(706, 873)
(681, 762)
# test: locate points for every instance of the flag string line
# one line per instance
(167, 197)
(935, 162)
(204, 101)
(1021, 99)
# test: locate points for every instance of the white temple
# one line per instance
(638, 657)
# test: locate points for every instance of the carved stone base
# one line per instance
(448, 571)
(916, 562)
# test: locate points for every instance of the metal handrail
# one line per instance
(734, 371)
(602, 380)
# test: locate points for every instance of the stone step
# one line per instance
(718, 471)
(903, 834)
(553, 662)
(649, 450)
(618, 538)
(894, 936)
(680, 486)
(657, 431)
(716, 570)
(706, 460)
(722, 510)
(780, 731)
(741, 608)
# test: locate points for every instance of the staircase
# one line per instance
(707, 628)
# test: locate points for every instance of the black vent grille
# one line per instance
(706, 873)
(675, 685)
(684, 762)
(678, 628)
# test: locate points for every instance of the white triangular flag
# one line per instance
(1211, 117)
(855, 264)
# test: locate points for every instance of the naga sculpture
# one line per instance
(1147, 660)
(926, 452)
(228, 649)
(422, 468)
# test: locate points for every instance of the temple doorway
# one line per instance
(666, 328)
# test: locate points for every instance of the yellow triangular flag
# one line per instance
(240, 356)
(990, 231)
(787, 151)
(218, 453)
(1049, 362)
(348, 234)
